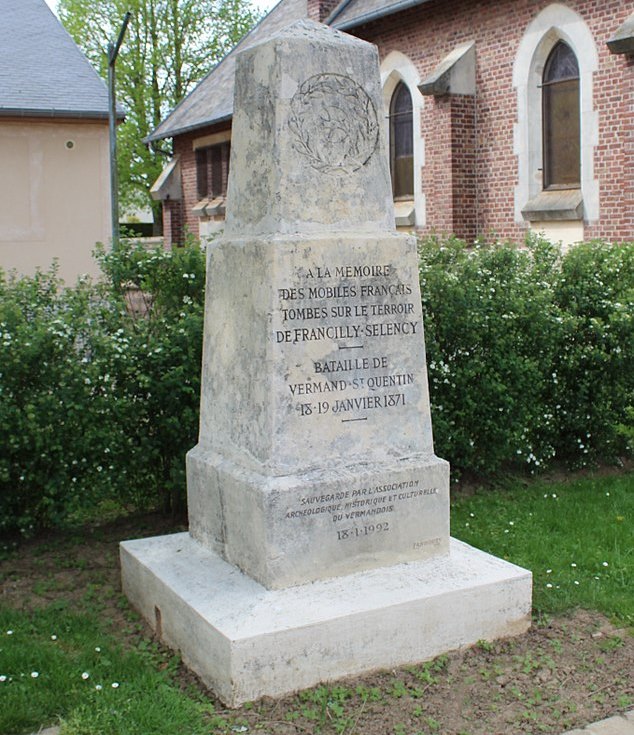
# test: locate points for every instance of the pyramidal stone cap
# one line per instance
(309, 141)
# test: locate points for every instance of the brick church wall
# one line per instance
(184, 146)
(319, 10)
(614, 155)
(427, 33)
(470, 166)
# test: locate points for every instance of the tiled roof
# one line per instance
(351, 13)
(211, 100)
(42, 71)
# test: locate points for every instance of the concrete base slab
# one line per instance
(611, 726)
(245, 641)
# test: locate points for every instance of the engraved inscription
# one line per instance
(357, 308)
(334, 124)
(348, 507)
(428, 542)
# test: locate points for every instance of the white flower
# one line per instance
(98, 687)
(115, 684)
(85, 675)
(97, 649)
(34, 674)
(576, 582)
(573, 564)
(53, 637)
(549, 571)
(9, 632)
(3, 677)
(549, 585)
(605, 564)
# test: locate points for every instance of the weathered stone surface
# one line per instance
(315, 354)
(315, 455)
(246, 641)
(315, 395)
(290, 529)
(310, 99)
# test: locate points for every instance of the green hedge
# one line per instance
(530, 352)
(529, 359)
(97, 404)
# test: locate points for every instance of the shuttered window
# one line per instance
(212, 171)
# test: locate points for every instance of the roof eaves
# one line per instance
(372, 15)
(57, 113)
(186, 129)
(337, 12)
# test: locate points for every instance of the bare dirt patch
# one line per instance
(565, 672)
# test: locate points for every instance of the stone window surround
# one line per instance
(395, 68)
(553, 24)
(622, 42)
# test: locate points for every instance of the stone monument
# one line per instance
(319, 515)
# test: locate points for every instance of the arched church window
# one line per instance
(561, 119)
(402, 142)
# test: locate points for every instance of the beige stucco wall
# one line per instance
(54, 195)
(566, 232)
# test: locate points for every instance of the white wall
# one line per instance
(54, 195)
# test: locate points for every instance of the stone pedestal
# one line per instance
(315, 456)
(319, 514)
(246, 641)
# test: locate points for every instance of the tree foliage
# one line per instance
(168, 47)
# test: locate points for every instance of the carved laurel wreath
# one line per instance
(334, 124)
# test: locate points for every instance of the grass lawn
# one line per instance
(577, 538)
(72, 652)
